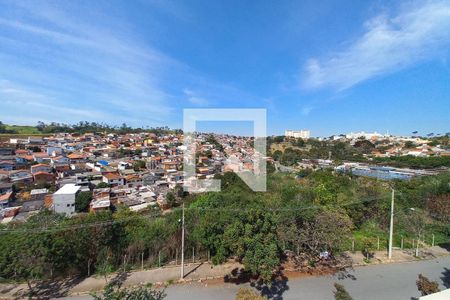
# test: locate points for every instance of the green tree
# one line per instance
(138, 165)
(277, 155)
(252, 238)
(171, 199)
(102, 185)
(409, 144)
(82, 201)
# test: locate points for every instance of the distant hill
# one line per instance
(18, 129)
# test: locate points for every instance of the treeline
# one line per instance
(3, 128)
(409, 161)
(314, 149)
(85, 127)
(323, 211)
(297, 149)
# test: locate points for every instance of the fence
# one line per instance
(382, 243)
(164, 258)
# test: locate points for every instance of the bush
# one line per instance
(426, 286)
(341, 293)
(102, 185)
(248, 294)
(114, 291)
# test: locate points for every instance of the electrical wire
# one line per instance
(62, 227)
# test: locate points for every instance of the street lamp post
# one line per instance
(182, 244)
(391, 227)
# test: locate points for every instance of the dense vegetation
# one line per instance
(409, 161)
(290, 151)
(322, 211)
(81, 127)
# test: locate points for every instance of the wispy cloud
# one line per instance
(91, 64)
(306, 110)
(97, 67)
(194, 99)
(41, 106)
(418, 32)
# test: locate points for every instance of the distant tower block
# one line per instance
(304, 134)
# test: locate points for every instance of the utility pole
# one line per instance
(391, 227)
(182, 244)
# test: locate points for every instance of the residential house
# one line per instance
(43, 177)
(7, 165)
(133, 180)
(64, 199)
(22, 161)
(5, 199)
(23, 152)
(76, 158)
(38, 194)
(101, 193)
(5, 150)
(60, 160)
(36, 202)
(33, 140)
(41, 168)
(21, 177)
(100, 204)
(54, 151)
(41, 157)
(113, 179)
(6, 187)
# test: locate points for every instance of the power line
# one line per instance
(62, 227)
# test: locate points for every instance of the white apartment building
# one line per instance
(64, 199)
(366, 135)
(304, 134)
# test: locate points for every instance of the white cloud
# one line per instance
(81, 62)
(417, 33)
(41, 106)
(195, 99)
(82, 58)
(306, 110)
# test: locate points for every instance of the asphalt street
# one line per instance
(389, 281)
(386, 281)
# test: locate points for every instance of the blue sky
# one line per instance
(328, 66)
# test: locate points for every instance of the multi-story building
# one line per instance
(64, 199)
(304, 134)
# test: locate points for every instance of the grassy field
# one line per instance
(23, 129)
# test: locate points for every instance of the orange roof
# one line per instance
(48, 200)
(111, 176)
(26, 157)
(132, 176)
(75, 156)
(5, 197)
(39, 165)
(42, 173)
(22, 151)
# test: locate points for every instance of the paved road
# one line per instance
(389, 281)
(393, 281)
